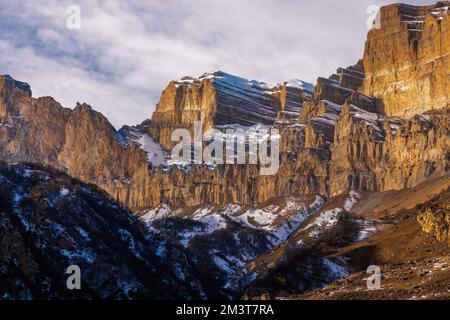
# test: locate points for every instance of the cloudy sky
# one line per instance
(125, 52)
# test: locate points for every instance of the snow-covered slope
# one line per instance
(230, 237)
(49, 221)
(250, 102)
(157, 156)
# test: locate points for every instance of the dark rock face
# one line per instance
(49, 221)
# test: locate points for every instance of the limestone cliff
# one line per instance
(80, 141)
(341, 142)
(407, 59)
(219, 98)
(377, 153)
(378, 125)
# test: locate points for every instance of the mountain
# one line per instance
(435, 218)
(49, 221)
(219, 98)
(364, 167)
(341, 141)
(407, 59)
(80, 142)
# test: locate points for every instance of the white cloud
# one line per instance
(126, 52)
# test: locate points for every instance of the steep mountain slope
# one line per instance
(435, 219)
(379, 229)
(226, 239)
(343, 139)
(82, 143)
(239, 246)
(49, 221)
(414, 265)
(348, 134)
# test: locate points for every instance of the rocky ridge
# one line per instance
(81, 142)
(435, 219)
(340, 142)
(336, 136)
(219, 98)
(49, 221)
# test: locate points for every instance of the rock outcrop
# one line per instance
(375, 153)
(342, 141)
(80, 142)
(407, 59)
(49, 221)
(335, 89)
(435, 218)
(219, 98)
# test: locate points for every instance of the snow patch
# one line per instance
(64, 192)
(159, 212)
(351, 200)
(330, 218)
(368, 228)
(210, 222)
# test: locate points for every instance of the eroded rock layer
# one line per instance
(80, 142)
(219, 98)
(407, 59)
(342, 141)
(49, 221)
